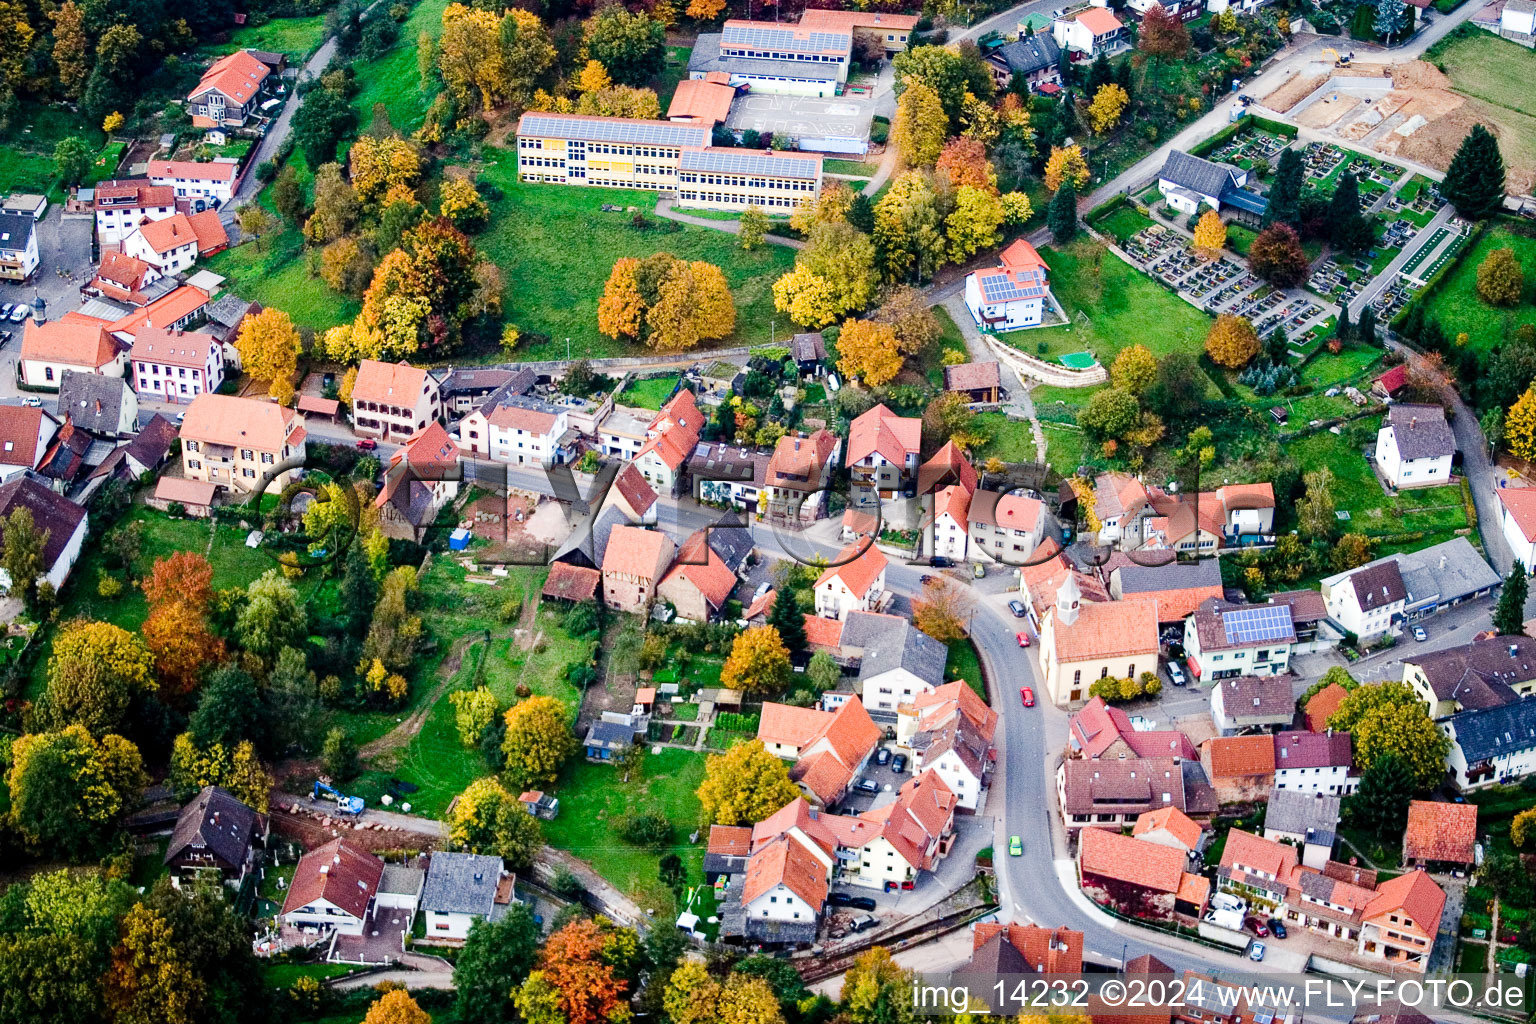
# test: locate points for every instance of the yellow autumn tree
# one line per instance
(1016, 208)
(538, 741)
(1065, 164)
(1232, 342)
(1520, 426)
(381, 165)
(758, 662)
(112, 122)
(743, 786)
(694, 305)
(920, 126)
(469, 55)
(593, 78)
(621, 310)
(705, 10)
(269, 348)
(1210, 234)
(1108, 105)
(462, 204)
(868, 350)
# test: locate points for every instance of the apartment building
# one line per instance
(196, 179)
(393, 400)
(121, 206)
(229, 90)
(235, 443)
(662, 156)
(173, 366)
(18, 247)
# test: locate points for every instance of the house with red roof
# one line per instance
(422, 477)
(121, 206)
(798, 477)
(1083, 642)
(1010, 296)
(883, 449)
(949, 731)
(634, 564)
(508, 426)
(229, 91)
(175, 366)
(669, 441)
(125, 279)
(210, 181)
(829, 748)
(1111, 862)
(1169, 826)
(170, 245)
(238, 443)
(1089, 32)
(1517, 518)
(1322, 705)
(395, 401)
(333, 889)
(1099, 731)
(1120, 503)
(854, 582)
(25, 435)
(1006, 527)
(704, 576)
(82, 344)
(1241, 768)
(1400, 924)
(1440, 833)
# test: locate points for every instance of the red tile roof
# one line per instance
(430, 446)
(698, 564)
(1248, 852)
(953, 501)
(168, 309)
(1236, 756)
(1097, 725)
(237, 75)
(211, 236)
(337, 872)
(789, 725)
(121, 276)
(799, 463)
(1102, 631)
(675, 429)
(632, 486)
(1323, 704)
(948, 466)
(188, 492)
(700, 100)
(785, 861)
(399, 384)
(198, 170)
(632, 551)
(858, 566)
(1099, 21)
(937, 706)
(171, 233)
(1173, 821)
(1312, 750)
(730, 840)
(820, 632)
(1440, 831)
(571, 582)
(20, 435)
(1520, 503)
(1106, 854)
(881, 431)
(1413, 894)
(1045, 950)
(72, 342)
(242, 422)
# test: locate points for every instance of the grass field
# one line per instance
(26, 149)
(1122, 223)
(276, 276)
(675, 71)
(1065, 447)
(963, 663)
(858, 168)
(592, 797)
(1494, 70)
(297, 37)
(1439, 511)
(1329, 369)
(648, 394)
(555, 248)
(1011, 440)
(1458, 307)
(393, 79)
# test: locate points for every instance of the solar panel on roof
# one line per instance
(605, 129)
(734, 161)
(761, 37)
(1257, 624)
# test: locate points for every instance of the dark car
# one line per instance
(1277, 928)
(846, 899)
(1017, 608)
(863, 922)
(867, 786)
(883, 755)
(1258, 927)
(899, 764)
(940, 562)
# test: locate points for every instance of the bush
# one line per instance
(511, 609)
(880, 130)
(647, 829)
(567, 884)
(266, 171)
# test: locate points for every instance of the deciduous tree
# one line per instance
(494, 962)
(473, 712)
(383, 165)
(877, 990)
(758, 662)
(96, 671)
(573, 963)
(537, 1001)
(70, 48)
(22, 554)
(743, 786)
(68, 788)
(621, 309)
(1276, 256)
(269, 347)
(1389, 717)
(321, 124)
(487, 818)
(1232, 342)
(271, 618)
(1065, 164)
(538, 742)
(906, 309)
(72, 160)
(1210, 234)
(694, 305)
(909, 229)
(692, 996)
(182, 646)
(1163, 34)
(973, 224)
(920, 126)
(1474, 181)
(1381, 805)
(942, 611)
(752, 227)
(964, 161)
(868, 350)
(1109, 103)
(396, 1007)
(239, 770)
(632, 46)
(469, 55)
(148, 979)
(748, 1000)
(835, 274)
(1134, 369)
(1500, 278)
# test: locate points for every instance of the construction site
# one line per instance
(1409, 111)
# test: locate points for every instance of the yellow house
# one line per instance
(1084, 642)
(239, 443)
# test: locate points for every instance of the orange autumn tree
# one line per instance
(965, 161)
(184, 576)
(179, 589)
(573, 963)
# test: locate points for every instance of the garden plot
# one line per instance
(1342, 279)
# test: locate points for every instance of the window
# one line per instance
(245, 454)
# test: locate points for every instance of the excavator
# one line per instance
(344, 804)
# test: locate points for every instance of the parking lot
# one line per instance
(804, 117)
(882, 776)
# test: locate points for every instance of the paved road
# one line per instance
(1388, 274)
(664, 210)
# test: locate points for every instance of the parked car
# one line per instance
(1176, 674)
(367, 444)
(1419, 634)
(867, 786)
(863, 922)
(979, 571)
(1277, 928)
(5, 309)
(848, 899)
(1256, 952)
(899, 764)
(1023, 639)
(1027, 696)
(32, 402)
(883, 756)
(1257, 926)
(1017, 607)
(180, 417)
(940, 562)
(20, 313)
(1015, 846)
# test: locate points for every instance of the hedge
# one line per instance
(1242, 124)
(1107, 207)
(1434, 283)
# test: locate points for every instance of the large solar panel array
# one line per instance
(1265, 622)
(738, 161)
(613, 129)
(1002, 288)
(766, 37)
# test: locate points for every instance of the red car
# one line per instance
(1258, 927)
(1027, 696)
(1023, 639)
(367, 444)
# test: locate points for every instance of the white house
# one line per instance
(64, 522)
(333, 889)
(175, 366)
(1241, 703)
(854, 582)
(1190, 184)
(951, 524)
(1007, 527)
(18, 247)
(47, 350)
(1415, 445)
(786, 881)
(949, 730)
(1224, 640)
(669, 441)
(25, 434)
(1517, 515)
(169, 245)
(898, 662)
(463, 888)
(1369, 600)
(195, 179)
(395, 400)
(883, 450)
(1315, 762)
(1491, 745)
(515, 429)
(121, 206)
(1518, 20)
(1012, 294)
(1089, 32)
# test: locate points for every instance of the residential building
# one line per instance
(1322, 706)
(213, 182)
(47, 350)
(951, 523)
(1014, 294)
(1491, 745)
(704, 576)
(169, 245)
(977, 383)
(1100, 731)
(634, 564)
(1257, 869)
(1191, 184)
(950, 730)
(333, 889)
(1233, 515)
(18, 247)
(26, 432)
(64, 460)
(422, 477)
(1486, 673)
(211, 236)
(1315, 762)
(1107, 858)
(909, 837)
(462, 888)
(121, 206)
(1415, 446)
(1113, 794)
(1241, 768)
(727, 851)
(1088, 33)
(509, 428)
(1309, 821)
(123, 278)
(1401, 922)
(216, 836)
(1223, 640)
(1120, 503)
(784, 889)
(623, 433)
(809, 351)
(465, 388)
(1240, 703)
(609, 736)
(229, 91)
(1217, 1002)
(1036, 57)
(727, 475)
(855, 582)
(147, 450)
(239, 443)
(1005, 950)
(1177, 587)
(393, 401)
(1173, 828)
(175, 366)
(1427, 581)
(103, 407)
(1440, 834)
(883, 450)
(630, 494)
(1517, 517)
(896, 661)
(1081, 643)
(1309, 616)
(1388, 1012)
(29, 204)
(223, 319)
(60, 519)
(669, 440)
(178, 310)
(670, 156)
(829, 748)
(947, 467)
(1005, 528)
(798, 477)
(1187, 10)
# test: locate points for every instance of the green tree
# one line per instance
(786, 617)
(632, 46)
(743, 786)
(1509, 613)
(1314, 513)
(273, 617)
(1348, 228)
(823, 672)
(949, 73)
(288, 196)
(1285, 190)
(753, 227)
(538, 742)
(1061, 215)
(487, 818)
(72, 160)
(229, 710)
(1391, 18)
(877, 990)
(338, 756)
(22, 554)
(495, 960)
(1500, 278)
(538, 1001)
(1390, 718)
(97, 671)
(1474, 181)
(1365, 330)
(1111, 413)
(67, 789)
(1381, 805)
(321, 124)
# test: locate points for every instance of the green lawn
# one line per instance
(1011, 440)
(282, 976)
(1239, 238)
(1439, 511)
(648, 394)
(555, 247)
(297, 37)
(964, 664)
(1329, 369)
(1458, 307)
(393, 79)
(275, 275)
(26, 148)
(1123, 222)
(1494, 70)
(855, 167)
(1065, 447)
(591, 798)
